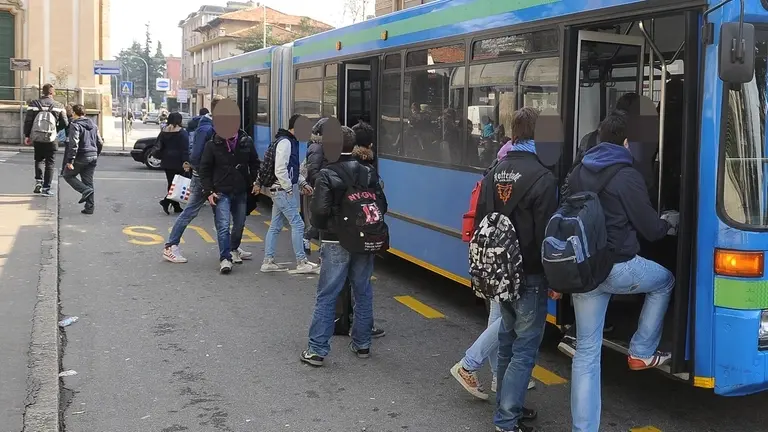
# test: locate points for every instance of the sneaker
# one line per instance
(269, 266)
(38, 188)
(362, 353)
(519, 428)
(244, 255)
(87, 194)
(377, 332)
(236, 258)
(658, 359)
(226, 266)
(173, 254)
(529, 414)
(531, 384)
(305, 267)
(311, 358)
(567, 345)
(47, 193)
(86, 211)
(469, 381)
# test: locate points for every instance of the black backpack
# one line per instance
(575, 253)
(267, 175)
(359, 223)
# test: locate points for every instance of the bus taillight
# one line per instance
(738, 263)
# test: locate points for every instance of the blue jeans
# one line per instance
(196, 202)
(229, 205)
(338, 265)
(487, 345)
(285, 206)
(636, 276)
(522, 328)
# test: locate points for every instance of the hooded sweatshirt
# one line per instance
(84, 144)
(203, 134)
(625, 200)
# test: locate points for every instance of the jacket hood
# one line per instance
(85, 123)
(363, 153)
(283, 133)
(604, 155)
(316, 139)
(206, 119)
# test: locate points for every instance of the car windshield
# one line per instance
(744, 185)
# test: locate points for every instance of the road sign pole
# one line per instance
(122, 123)
(21, 108)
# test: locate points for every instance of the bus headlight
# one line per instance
(762, 334)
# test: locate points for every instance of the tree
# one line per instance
(254, 39)
(133, 69)
(355, 9)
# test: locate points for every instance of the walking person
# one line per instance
(83, 149)
(173, 151)
(347, 249)
(517, 198)
(607, 170)
(228, 172)
(281, 175)
(203, 134)
(44, 119)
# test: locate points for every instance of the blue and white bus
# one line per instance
(439, 83)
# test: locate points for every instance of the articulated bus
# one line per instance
(440, 81)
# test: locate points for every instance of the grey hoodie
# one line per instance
(84, 141)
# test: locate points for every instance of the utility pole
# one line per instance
(264, 24)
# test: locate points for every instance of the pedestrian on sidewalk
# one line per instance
(83, 149)
(228, 172)
(173, 151)
(203, 134)
(44, 119)
(347, 249)
(281, 174)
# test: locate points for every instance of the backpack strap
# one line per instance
(605, 176)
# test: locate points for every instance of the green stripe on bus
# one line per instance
(447, 16)
(741, 294)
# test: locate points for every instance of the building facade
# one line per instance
(384, 7)
(173, 73)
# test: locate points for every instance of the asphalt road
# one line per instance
(163, 347)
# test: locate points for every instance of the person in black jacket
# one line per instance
(228, 171)
(338, 263)
(44, 151)
(521, 177)
(313, 163)
(173, 151)
(83, 149)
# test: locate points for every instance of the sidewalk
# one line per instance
(29, 392)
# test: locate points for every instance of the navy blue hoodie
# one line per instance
(625, 200)
(84, 141)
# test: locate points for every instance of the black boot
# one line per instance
(164, 203)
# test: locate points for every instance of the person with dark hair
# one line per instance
(173, 151)
(282, 177)
(340, 264)
(82, 151)
(44, 119)
(525, 191)
(628, 211)
(203, 134)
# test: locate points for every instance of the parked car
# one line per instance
(142, 152)
(152, 118)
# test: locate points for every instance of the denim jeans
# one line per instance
(338, 265)
(286, 206)
(520, 334)
(487, 345)
(229, 205)
(635, 276)
(196, 202)
(85, 170)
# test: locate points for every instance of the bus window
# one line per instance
(262, 103)
(390, 126)
(330, 105)
(308, 99)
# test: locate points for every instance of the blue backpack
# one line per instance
(575, 253)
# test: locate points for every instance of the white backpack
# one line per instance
(44, 126)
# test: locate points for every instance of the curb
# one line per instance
(26, 149)
(41, 411)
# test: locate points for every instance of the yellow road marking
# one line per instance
(373, 278)
(202, 233)
(135, 232)
(547, 377)
(255, 213)
(269, 223)
(645, 429)
(419, 307)
(250, 237)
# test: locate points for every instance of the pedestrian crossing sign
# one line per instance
(126, 88)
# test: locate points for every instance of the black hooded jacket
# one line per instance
(315, 158)
(222, 171)
(84, 141)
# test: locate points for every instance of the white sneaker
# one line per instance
(173, 254)
(531, 384)
(306, 267)
(226, 267)
(236, 257)
(245, 255)
(270, 266)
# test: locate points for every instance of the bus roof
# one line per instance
(243, 64)
(436, 20)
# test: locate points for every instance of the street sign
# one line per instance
(182, 96)
(21, 64)
(162, 84)
(126, 88)
(106, 67)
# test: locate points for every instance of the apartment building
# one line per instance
(384, 7)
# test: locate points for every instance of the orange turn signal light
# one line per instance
(739, 263)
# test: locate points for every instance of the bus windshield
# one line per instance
(744, 185)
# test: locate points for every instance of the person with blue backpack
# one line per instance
(517, 198)
(591, 252)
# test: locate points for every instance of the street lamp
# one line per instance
(146, 90)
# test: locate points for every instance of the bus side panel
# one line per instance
(740, 369)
